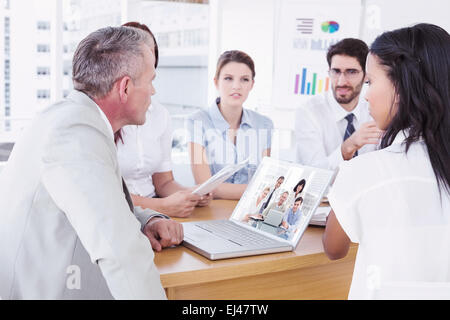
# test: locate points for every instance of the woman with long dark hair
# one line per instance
(395, 202)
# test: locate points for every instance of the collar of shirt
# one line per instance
(220, 122)
(339, 112)
(402, 135)
(82, 98)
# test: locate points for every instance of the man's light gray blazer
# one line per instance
(66, 230)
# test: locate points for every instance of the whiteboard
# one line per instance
(304, 29)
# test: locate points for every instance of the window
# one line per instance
(7, 38)
(7, 70)
(7, 24)
(43, 71)
(43, 48)
(43, 94)
(43, 25)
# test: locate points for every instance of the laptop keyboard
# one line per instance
(235, 233)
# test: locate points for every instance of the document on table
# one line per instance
(320, 216)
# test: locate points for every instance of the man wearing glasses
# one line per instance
(336, 125)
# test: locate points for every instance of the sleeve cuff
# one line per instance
(145, 215)
(164, 167)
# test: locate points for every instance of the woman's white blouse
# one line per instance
(146, 150)
(388, 201)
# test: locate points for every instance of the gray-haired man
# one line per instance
(66, 229)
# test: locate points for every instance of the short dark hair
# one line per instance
(349, 47)
(298, 199)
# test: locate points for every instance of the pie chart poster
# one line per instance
(304, 29)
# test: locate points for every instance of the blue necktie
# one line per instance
(350, 128)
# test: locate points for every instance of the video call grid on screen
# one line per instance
(267, 175)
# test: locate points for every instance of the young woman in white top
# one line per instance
(144, 154)
(395, 202)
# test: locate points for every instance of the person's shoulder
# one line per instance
(317, 101)
(311, 111)
(158, 108)
(366, 170)
(314, 106)
(259, 119)
(200, 114)
(67, 113)
(75, 124)
(159, 115)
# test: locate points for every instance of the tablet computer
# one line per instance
(213, 182)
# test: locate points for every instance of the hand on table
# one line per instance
(163, 233)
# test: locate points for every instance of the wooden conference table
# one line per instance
(306, 273)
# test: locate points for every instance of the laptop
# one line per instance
(241, 235)
(274, 218)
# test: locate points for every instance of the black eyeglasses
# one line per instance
(348, 73)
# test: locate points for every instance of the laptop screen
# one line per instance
(281, 198)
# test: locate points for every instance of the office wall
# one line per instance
(383, 15)
(246, 26)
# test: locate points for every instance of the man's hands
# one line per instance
(163, 233)
(367, 133)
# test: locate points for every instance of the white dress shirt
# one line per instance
(66, 229)
(146, 150)
(320, 127)
(388, 202)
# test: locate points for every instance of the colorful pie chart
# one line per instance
(330, 26)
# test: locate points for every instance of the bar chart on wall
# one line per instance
(304, 31)
(309, 82)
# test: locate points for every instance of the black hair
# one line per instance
(301, 182)
(298, 199)
(349, 47)
(417, 60)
